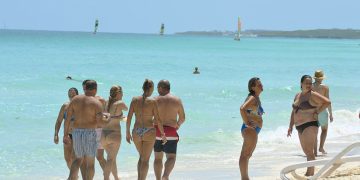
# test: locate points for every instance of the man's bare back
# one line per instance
(170, 107)
(87, 110)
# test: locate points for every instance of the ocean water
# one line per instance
(34, 65)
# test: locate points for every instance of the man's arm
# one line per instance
(181, 114)
(101, 118)
(327, 94)
(128, 121)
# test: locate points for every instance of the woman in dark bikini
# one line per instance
(143, 134)
(111, 132)
(251, 113)
(72, 92)
(306, 107)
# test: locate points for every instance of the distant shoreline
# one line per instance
(316, 33)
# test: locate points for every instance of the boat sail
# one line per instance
(96, 26)
(237, 34)
(162, 29)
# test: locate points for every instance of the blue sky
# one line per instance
(145, 16)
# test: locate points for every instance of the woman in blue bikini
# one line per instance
(251, 113)
(146, 112)
(72, 92)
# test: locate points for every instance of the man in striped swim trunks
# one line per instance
(89, 113)
(171, 112)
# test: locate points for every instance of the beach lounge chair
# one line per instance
(330, 165)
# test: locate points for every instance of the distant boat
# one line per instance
(96, 26)
(162, 29)
(237, 34)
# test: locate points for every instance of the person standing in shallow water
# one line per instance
(89, 113)
(306, 107)
(171, 111)
(68, 150)
(251, 112)
(143, 134)
(322, 89)
(100, 150)
(111, 133)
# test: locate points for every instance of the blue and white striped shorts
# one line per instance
(84, 142)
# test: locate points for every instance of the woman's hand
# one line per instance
(289, 132)
(128, 137)
(316, 115)
(56, 139)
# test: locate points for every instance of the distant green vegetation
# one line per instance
(316, 33)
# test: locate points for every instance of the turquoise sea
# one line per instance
(34, 65)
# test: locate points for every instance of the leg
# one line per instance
(90, 168)
(169, 165)
(308, 139)
(158, 164)
(145, 153)
(323, 138)
(83, 168)
(114, 170)
(315, 145)
(138, 145)
(249, 144)
(74, 170)
(68, 154)
(111, 151)
(100, 158)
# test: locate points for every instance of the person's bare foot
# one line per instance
(322, 151)
(165, 178)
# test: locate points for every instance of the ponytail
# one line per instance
(148, 84)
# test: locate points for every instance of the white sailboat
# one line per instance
(237, 34)
(162, 29)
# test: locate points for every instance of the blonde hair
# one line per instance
(113, 92)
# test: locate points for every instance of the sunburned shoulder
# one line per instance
(119, 102)
(324, 86)
(78, 97)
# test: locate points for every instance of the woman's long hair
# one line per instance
(112, 98)
(148, 84)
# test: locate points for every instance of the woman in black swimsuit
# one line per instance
(306, 107)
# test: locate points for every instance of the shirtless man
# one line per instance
(171, 111)
(89, 113)
(100, 149)
(324, 115)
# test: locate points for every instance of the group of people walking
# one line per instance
(92, 126)
(308, 113)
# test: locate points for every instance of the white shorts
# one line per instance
(98, 137)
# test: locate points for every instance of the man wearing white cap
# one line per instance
(324, 115)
